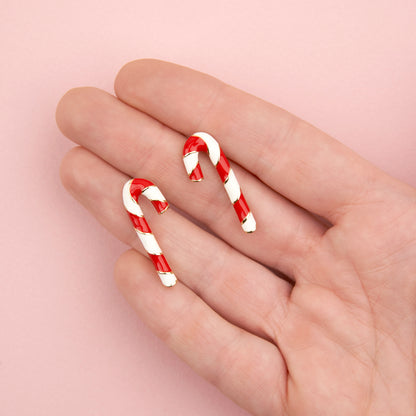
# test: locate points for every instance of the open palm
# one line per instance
(314, 313)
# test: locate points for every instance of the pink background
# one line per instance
(69, 343)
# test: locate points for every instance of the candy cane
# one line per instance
(131, 192)
(203, 142)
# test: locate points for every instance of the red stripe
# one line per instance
(196, 174)
(137, 186)
(194, 144)
(160, 206)
(160, 262)
(241, 208)
(223, 167)
(140, 223)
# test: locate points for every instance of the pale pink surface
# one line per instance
(70, 344)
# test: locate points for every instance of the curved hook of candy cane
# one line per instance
(204, 142)
(131, 192)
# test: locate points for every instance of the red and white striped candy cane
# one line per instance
(131, 192)
(204, 142)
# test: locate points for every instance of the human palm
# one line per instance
(313, 314)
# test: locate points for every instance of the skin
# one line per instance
(313, 314)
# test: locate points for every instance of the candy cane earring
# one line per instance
(131, 192)
(206, 143)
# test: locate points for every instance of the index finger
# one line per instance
(294, 158)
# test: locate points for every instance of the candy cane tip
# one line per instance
(196, 175)
(249, 223)
(168, 279)
(164, 210)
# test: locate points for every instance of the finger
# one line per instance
(140, 146)
(237, 362)
(238, 288)
(291, 156)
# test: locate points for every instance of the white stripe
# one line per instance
(232, 187)
(249, 223)
(149, 243)
(190, 160)
(168, 279)
(153, 193)
(130, 204)
(213, 147)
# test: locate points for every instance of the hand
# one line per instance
(336, 335)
